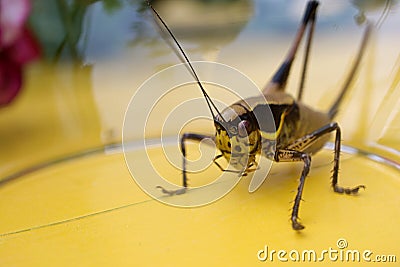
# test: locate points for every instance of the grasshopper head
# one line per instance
(237, 137)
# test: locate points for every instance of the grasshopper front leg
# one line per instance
(184, 138)
(290, 156)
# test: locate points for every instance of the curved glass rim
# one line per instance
(153, 143)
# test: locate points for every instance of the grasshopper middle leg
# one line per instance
(294, 153)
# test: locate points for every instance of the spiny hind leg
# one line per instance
(308, 140)
(185, 137)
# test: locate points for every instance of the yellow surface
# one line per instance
(88, 211)
(54, 116)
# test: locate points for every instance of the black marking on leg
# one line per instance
(281, 75)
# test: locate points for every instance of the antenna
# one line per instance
(187, 61)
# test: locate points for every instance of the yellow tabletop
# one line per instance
(67, 197)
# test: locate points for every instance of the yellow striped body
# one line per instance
(271, 123)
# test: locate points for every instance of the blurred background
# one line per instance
(70, 67)
(94, 55)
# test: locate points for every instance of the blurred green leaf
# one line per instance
(46, 22)
(112, 5)
(58, 24)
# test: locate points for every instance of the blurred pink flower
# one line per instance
(17, 47)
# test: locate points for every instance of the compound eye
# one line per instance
(243, 127)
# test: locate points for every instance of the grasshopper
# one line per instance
(300, 131)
